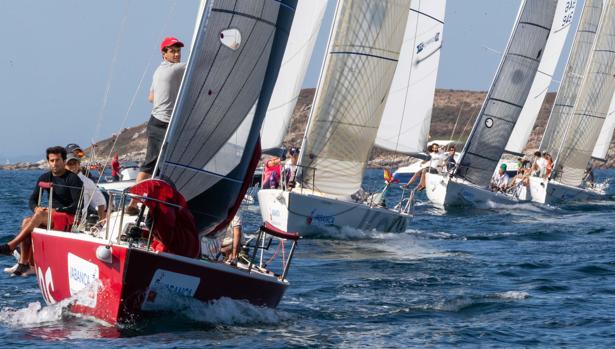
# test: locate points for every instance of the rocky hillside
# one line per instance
(453, 116)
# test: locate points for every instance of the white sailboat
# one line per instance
(362, 54)
(576, 123)
(406, 120)
(499, 113)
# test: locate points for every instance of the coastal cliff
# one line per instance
(453, 116)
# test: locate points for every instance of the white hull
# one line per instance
(306, 213)
(553, 192)
(121, 185)
(446, 192)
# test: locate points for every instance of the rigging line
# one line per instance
(134, 96)
(457, 120)
(410, 75)
(116, 50)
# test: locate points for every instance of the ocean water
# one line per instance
(522, 276)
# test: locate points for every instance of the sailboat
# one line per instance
(406, 120)
(469, 184)
(580, 109)
(129, 267)
(360, 62)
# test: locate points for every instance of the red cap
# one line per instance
(170, 41)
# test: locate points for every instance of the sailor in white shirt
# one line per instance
(499, 181)
(92, 195)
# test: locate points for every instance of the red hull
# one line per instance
(136, 281)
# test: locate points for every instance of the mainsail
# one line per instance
(593, 103)
(603, 143)
(555, 43)
(508, 92)
(362, 54)
(301, 40)
(405, 123)
(574, 72)
(234, 63)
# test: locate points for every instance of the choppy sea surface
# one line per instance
(520, 276)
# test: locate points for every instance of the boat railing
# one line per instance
(263, 241)
(406, 201)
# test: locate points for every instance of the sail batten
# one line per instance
(508, 92)
(361, 57)
(406, 119)
(222, 102)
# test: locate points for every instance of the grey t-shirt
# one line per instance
(165, 85)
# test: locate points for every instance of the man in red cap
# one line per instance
(162, 94)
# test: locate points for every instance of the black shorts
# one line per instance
(156, 130)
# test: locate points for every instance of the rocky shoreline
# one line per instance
(451, 107)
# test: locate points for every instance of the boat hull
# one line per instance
(312, 214)
(552, 192)
(453, 192)
(135, 281)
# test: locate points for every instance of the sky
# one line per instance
(77, 71)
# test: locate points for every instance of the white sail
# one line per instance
(508, 92)
(301, 40)
(601, 148)
(575, 71)
(557, 37)
(362, 54)
(407, 115)
(593, 103)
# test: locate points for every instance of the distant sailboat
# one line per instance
(496, 120)
(575, 125)
(361, 58)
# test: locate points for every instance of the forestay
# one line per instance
(362, 54)
(303, 34)
(234, 62)
(562, 21)
(407, 115)
(508, 92)
(603, 143)
(574, 72)
(593, 102)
